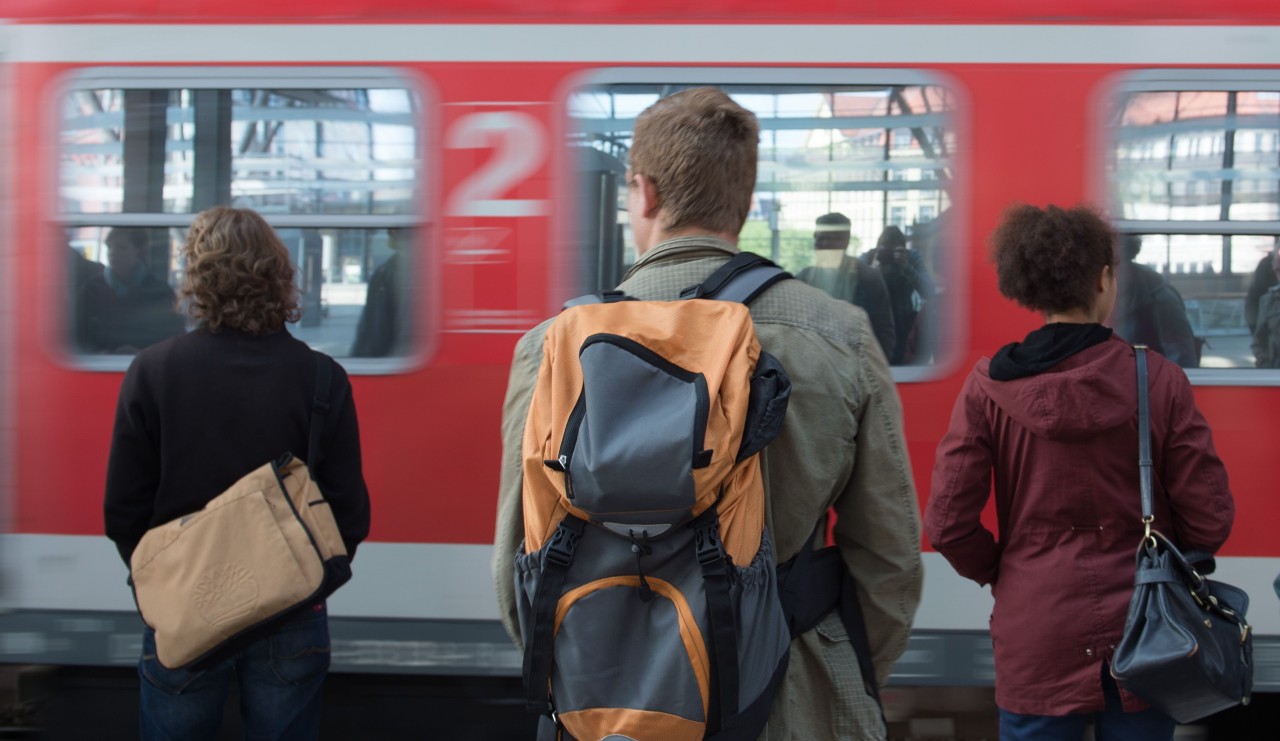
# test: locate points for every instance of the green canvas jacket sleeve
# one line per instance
(509, 531)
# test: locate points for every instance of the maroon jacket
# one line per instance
(1063, 448)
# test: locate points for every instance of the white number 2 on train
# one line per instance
(519, 148)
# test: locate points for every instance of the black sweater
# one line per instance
(199, 411)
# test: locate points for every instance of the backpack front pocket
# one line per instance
(661, 665)
(637, 412)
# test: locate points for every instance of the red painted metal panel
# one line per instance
(431, 435)
(660, 11)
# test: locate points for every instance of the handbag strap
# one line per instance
(319, 408)
(1203, 561)
(1144, 438)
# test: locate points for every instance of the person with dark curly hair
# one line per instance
(1052, 420)
(196, 413)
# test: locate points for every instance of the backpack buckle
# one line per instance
(614, 296)
(707, 544)
(564, 541)
(694, 291)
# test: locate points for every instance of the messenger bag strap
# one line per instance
(1144, 438)
(803, 606)
(319, 408)
(812, 584)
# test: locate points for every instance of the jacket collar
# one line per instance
(684, 248)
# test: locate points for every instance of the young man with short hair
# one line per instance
(690, 185)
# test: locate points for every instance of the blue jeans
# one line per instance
(280, 678)
(1112, 724)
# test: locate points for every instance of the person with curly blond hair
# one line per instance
(1053, 422)
(197, 412)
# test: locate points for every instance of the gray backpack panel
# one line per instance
(637, 412)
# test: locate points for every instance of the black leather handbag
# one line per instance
(1187, 649)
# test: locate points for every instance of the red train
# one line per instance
(482, 145)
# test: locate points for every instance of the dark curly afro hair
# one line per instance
(1048, 259)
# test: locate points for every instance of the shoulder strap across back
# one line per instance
(319, 408)
(745, 276)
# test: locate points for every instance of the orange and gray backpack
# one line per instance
(646, 586)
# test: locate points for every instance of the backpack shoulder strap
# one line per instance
(741, 279)
(319, 408)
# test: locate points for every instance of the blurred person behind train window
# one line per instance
(81, 270)
(1264, 277)
(197, 412)
(1266, 334)
(928, 240)
(1053, 421)
(690, 183)
(383, 329)
(908, 283)
(1149, 311)
(125, 307)
(844, 277)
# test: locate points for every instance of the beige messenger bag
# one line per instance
(253, 553)
(261, 548)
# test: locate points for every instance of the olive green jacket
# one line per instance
(842, 447)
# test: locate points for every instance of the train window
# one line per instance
(351, 297)
(867, 160)
(335, 169)
(1194, 181)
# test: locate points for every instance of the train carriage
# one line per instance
(460, 170)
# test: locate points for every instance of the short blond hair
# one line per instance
(238, 273)
(699, 149)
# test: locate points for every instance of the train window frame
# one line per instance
(953, 264)
(421, 339)
(9, 317)
(1108, 94)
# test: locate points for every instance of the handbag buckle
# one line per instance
(1147, 537)
(1200, 593)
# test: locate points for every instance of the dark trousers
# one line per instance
(280, 677)
(1111, 724)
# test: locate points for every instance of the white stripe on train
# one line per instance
(453, 582)
(752, 44)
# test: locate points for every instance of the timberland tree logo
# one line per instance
(226, 593)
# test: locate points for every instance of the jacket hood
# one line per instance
(1091, 391)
